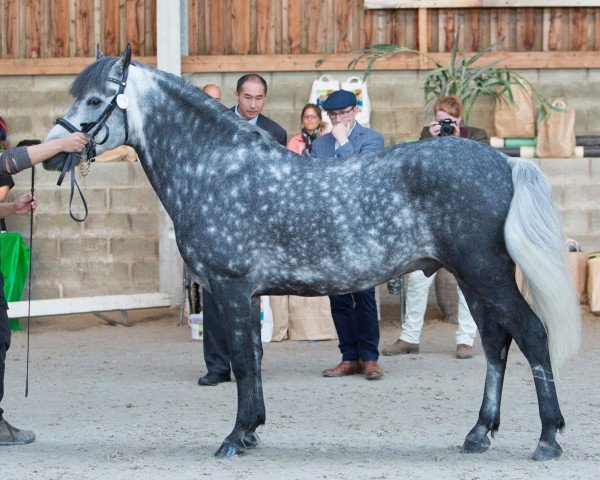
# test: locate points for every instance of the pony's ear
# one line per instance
(125, 59)
(99, 53)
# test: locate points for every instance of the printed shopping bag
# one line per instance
(322, 87)
(266, 320)
(359, 88)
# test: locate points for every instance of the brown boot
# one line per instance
(400, 346)
(344, 368)
(372, 370)
(464, 351)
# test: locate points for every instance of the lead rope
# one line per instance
(29, 280)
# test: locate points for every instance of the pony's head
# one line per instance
(100, 106)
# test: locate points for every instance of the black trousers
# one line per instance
(4, 344)
(216, 350)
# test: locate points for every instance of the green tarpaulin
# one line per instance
(14, 258)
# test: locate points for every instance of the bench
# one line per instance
(95, 305)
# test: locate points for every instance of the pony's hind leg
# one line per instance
(507, 307)
(533, 342)
(245, 351)
(495, 341)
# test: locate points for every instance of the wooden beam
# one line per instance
(53, 66)
(377, 4)
(277, 63)
(106, 303)
(423, 35)
(307, 62)
(339, 62)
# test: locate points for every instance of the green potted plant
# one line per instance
(460, 77)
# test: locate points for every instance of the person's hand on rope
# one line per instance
(25, 203)
(74, 142)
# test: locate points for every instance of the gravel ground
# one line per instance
(123, 403)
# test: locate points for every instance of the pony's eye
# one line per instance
(94, 101)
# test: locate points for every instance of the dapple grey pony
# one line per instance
(252, 218)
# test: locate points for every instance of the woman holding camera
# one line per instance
(448, 121)
(448, 113)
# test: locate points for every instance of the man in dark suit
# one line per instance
(250, 96)
(354, 314)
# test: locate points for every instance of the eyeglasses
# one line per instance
(310, 115)
(339, 115)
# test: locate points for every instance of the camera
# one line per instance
(446, 127)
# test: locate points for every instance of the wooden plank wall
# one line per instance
(71, 28)
(262, 27)
(33, 29)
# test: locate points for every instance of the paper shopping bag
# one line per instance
(556, 137)
(279, 305)
(310, 319)
(516, 118)
(593, 282)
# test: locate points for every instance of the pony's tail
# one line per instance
(534, 240)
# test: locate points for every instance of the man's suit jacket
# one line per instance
(361, 140)
(271, 127)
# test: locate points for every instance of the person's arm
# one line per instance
(282, 138)
(373, 142)
(25, 203)
(4, 189)
(478, 134)
(17, 159)
(73, 142)
(425, 133)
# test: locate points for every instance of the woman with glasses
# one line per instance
(312, 126)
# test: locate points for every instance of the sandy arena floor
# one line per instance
(123, 403)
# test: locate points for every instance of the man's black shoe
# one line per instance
(212, 379)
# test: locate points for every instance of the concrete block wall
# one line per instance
(116, 249)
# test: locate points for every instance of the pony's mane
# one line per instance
(95, 75)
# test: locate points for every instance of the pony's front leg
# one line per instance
(495, 341)
(251, 438)
(242, 318)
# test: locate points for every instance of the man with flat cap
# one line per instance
(354, 314)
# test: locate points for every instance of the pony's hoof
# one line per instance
(251, 440)
(228, 450)
(547, 451)
(476, 445)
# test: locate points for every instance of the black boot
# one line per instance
(212, 379)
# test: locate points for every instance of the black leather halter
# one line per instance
(73, 159)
